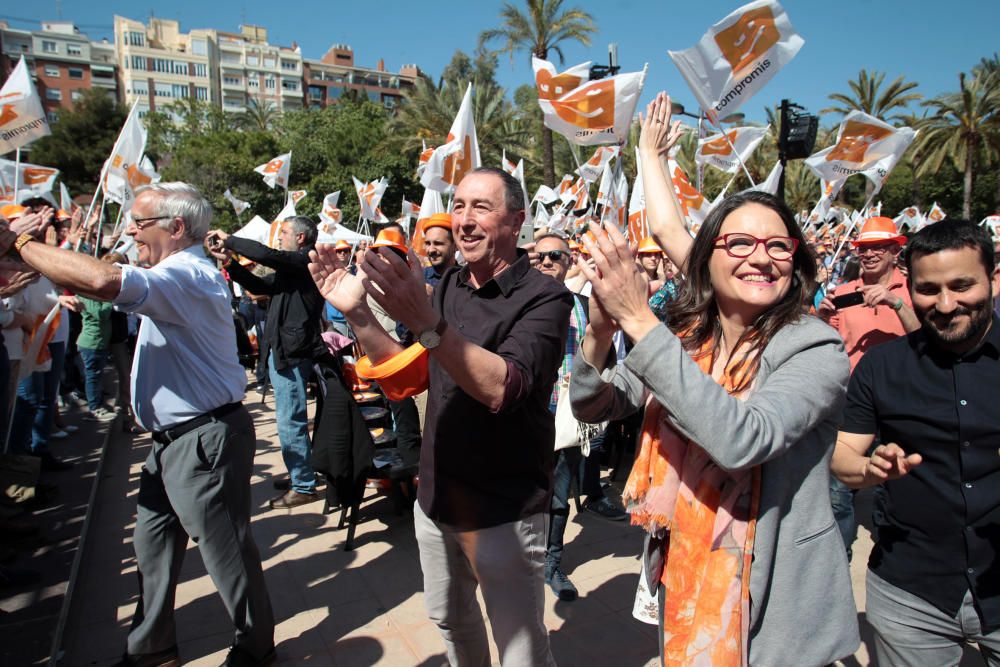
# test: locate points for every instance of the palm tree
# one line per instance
(959, 128)
(991, 65)
(259, 115)
(543, 28)
(868, 95)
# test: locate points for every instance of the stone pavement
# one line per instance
(363, 607)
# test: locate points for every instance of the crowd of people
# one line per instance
(761, 373)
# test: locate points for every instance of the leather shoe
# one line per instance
(165, 658)
(237, 657)
(293, 499)
(606, 509)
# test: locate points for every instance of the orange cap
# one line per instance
(648, 245)
(342, 245)
(400, 376)
(573, 245)
(391, 238)
(63, 215)
(442, 220)
(11, 211)
(878, 230)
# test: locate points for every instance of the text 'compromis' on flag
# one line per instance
(738, 56)
(587, 112)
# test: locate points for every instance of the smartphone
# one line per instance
(848, 300)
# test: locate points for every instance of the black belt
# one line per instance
(167, 436)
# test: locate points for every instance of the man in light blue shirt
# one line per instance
(187, 388)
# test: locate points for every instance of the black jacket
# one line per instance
(342, 446)
(293, 328)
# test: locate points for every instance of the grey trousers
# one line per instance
(508, 562)
(912, 631)
(198, 486)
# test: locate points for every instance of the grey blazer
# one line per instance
(802, 608)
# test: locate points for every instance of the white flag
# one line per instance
(148, 170)
(425, 156)
(506, 164)
(369, 196)
(587, 112)
(577, 194)
(275, 172)
(22, 119)
(238, 204)
(638, 227)
(865, 145)
(612, 194)
(449, 162)
(258, 229)
(545, 194)
(123, 174)
(909, 217)
(31, 181)
(770, 184)
(541, 218)
(295, 196)
(330, 214)
(429, 205)
(693, 203)
(828, 191)
(738, 56)
(592, 169)
(65, 201)
(936, 214)
(717, 150)
(991, 222)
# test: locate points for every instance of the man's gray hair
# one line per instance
(303, 225)
(513, 195)
(180, 200)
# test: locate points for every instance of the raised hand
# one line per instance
(342, 289)
(658, 134)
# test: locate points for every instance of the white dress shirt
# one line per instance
(186, 362)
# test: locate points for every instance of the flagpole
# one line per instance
(847, 234)
(100, 227)
(17, 172)
(731, 180)
(739, 158)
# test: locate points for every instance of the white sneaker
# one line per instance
(59, 435)
(101, 414)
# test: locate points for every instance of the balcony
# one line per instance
(232, 84)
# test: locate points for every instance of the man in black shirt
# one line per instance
(933, 579)
(496, 334)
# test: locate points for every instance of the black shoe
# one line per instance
(237, 657)
(52, 464)
(165, 658)
(291, 499)
(605, 509)
(282, 484)
(560, 584)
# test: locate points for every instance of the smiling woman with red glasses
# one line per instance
(742, 393)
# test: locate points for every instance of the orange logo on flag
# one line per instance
(552, 87)
(456, 164)
(7, 114)
(591, 106)
(137, 178)
(688, 194)
(332, 213)
(910, 212)
(36, 175)
(855, 140)
(116, 161)
(748, 38)
(274, 166)
(425, 155)
(720, 146)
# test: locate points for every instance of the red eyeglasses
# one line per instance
(740, 245)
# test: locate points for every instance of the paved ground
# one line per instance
(347, 608)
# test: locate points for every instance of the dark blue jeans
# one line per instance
(842, 500)
(93, 367)
(569, 465)
(35, 407)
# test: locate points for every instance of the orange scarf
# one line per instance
(710, 516)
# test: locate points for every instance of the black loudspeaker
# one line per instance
(801, 135)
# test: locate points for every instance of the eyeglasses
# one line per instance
(553, 255)
(873, 249)
(143, 223)
(342, 250)
(739, 245)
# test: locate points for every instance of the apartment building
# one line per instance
(252, 71)
(63, 62)
(158, 64)
(328, 78)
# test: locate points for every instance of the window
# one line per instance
(74, 50)
(52, 116)
(140, 88)
(289, 65)
(138, 62)
(230, 58)
(199, 47)
(232, 80)
(201, 93)
(53, 94)
(179, 90)
(253, 80)
(270, 83)
(253, 59)
(75, 73)
(288, 84)
(390, 101)
(180, 68)
(163, 90)
(135, 38)
(51, 70)
(76, 95)
(316, 93)
(49, 47)
(270, 62)
(162, 65)
(201, 70)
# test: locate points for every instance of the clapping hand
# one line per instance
(342, 289)
(658, 134)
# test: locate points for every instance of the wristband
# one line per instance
(898, 306)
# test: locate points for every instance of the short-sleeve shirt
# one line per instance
(480, 468)
(943, 518)
(185, 362)
(862, 327)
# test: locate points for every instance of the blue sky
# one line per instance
(928, 42)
